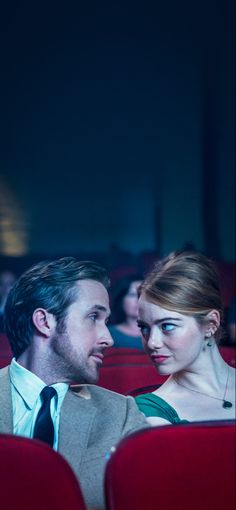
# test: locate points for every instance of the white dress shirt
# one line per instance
(26, 401)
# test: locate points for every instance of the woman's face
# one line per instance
(130, 300)
(172, 340)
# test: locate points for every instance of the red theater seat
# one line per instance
(4, 361)
(227, 273)
(229, 355)
(125, 369)
(5, 349)
(182, 467)
(35, 477)
(143, 389)
(125, 378)
(125, 356)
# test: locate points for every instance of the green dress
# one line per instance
(152, 405)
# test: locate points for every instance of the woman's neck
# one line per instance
(208, 371)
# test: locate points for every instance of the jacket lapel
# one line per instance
(6, 417)
(77, 416)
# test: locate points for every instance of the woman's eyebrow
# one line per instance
(167, 319)
(158, 321)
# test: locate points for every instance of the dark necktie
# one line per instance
(44, 429)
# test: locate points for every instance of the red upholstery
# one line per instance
(229, 355)
(5, 349)
(4, 361)
(125, 356)
(143, 389)
(125, 378)
(182, 467)
(35, 477)
(227, 273)
(125, 369)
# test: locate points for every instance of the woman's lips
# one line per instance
(158, 358)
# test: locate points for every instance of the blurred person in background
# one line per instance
(123, 327)
(7, 279)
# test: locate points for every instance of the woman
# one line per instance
(124, 330)
(180, 318)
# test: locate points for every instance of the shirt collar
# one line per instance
(29, 385)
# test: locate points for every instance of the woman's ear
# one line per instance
(43, 321)
(212, 323)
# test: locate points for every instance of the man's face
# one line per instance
(79, 346)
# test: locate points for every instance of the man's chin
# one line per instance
(86, 378)
(93, 378)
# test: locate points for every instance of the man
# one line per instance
(56, 321)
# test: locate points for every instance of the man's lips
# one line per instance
(98, 356)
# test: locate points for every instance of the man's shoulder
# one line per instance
(114, 410)
(95, 392)
(106, 403)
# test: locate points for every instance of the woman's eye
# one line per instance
(167, 327)
(144, 329)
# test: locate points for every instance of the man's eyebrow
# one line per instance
(100, 308)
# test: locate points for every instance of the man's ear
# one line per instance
(212, 323)
(43, 321)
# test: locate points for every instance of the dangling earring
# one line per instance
(208, 335)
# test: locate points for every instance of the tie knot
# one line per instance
(48, 393)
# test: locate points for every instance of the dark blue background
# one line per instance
(117, 126)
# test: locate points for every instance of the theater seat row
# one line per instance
(188, 466)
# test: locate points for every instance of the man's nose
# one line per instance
(106, 338)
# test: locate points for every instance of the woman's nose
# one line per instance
(155, 340)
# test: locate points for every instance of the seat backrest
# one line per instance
(182, 467)
(35, 477)
(143, 389)
(125, 356)
(228, 353)
(5, 351)
(5, 348)
(4, 361)
(125, 378)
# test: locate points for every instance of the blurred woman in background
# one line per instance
(123, 328)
